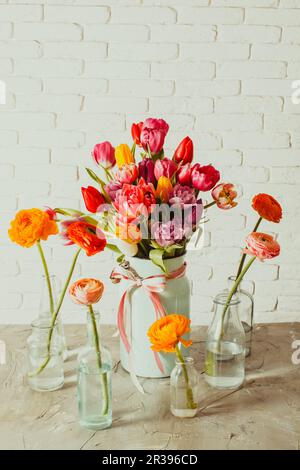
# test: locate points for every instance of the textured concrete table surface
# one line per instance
(264, 414)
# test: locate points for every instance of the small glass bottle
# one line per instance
(46, 308)
(184, 383)
(225, 345)
(94, 391)
(51, 377)
(245, 293)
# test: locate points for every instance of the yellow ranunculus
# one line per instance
(164, 189)
(123, 155)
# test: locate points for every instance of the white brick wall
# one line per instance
(80, 71)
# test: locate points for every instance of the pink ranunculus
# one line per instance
(167, 233)
(262, 245)
(182, 195)
(104, 154)
(164, 167)
(184, 175)
(153, 134)
(127, 174)
(86, 291)
(204, 178)
(112, 189)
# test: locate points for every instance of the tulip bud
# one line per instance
(136, 132)
(123, 155)
(93, 199)
(184, 152)
(164, 189)
(104, 154)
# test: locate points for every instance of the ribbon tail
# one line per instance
(133, 376)
(121, 327)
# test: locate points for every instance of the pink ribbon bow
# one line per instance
(153, 285)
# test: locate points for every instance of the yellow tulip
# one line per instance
(164, 189)
(123, 155)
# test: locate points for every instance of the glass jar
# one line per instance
(245, 293)
(94, 391)
(225, 345)
(46, 308)
(184, 383)
(51, 377)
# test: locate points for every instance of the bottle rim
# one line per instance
(221, 299)
(187, 360)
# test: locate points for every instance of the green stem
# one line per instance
(210, 205)
(242, 262)
(144, 249)
(232, 292)
(47, 276)
(55, 315)
(99, 360)
(189, 392)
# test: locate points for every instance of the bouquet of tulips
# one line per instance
(149, 205)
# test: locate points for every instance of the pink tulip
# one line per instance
(127, 174)
(204, 178)
(153, 134)
(184, 175)
(104, 154)
(224, 195)
(164, 167)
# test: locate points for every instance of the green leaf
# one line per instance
(156, 257)
(68, 212)
(120, 259)
(101, 183)
(113, 248)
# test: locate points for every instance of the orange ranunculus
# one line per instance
(86, 291)
(30, 226)
(267, 207)
(167, 332)
(86, 236)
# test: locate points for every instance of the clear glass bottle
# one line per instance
(94, 391)
(245, 293)
(46, 309)
(184, 383)
(52, 376)
(225, 345)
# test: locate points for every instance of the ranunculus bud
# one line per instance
(104, 154)
(164, 167)
(86, 291)
(204, 178)
(184, 152)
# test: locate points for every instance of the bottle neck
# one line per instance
(91, 326)
(188, 363)
(245, 286)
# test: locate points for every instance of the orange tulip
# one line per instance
(167, 332)
(123, 155)
(87, 237)
(31, 225)
(164, 189)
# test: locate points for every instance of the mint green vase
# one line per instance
(175, 299)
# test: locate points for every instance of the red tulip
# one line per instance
(92, 198)
(184, 152)
(104, 154)
(164, 167)
(184, 175)
(204, 178)
(136, 132)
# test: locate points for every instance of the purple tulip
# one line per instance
(146, 170)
